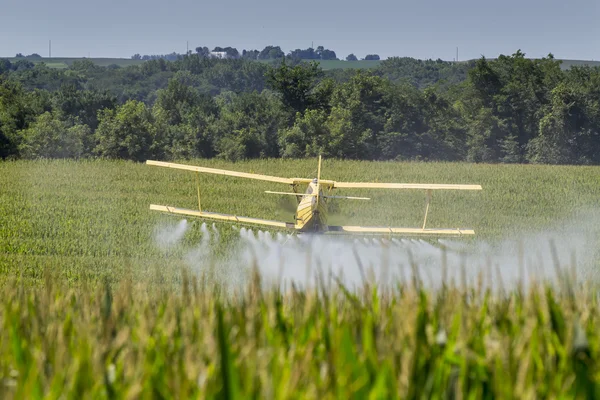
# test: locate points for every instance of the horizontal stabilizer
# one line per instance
(313, 195)
(292, 194)
(347, 197)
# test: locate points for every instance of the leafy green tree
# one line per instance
(308, 137)
(358, 116)
(351, 57)
(71, 103)
(179, 97)
(126, 132)
(203, 51)
(404, 124)
(294, 84)
(328, 55)
(271, 53)
(250, 54)
(83, 65)
(248, 126)
(5, 65)
(23, 65)
(16, 113)
(184, 116)
(372, 57)
(563, 130)
(485, 133)
(49, 137)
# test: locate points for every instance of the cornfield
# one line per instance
(91, 307)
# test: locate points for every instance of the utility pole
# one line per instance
(49, 48)
(456, 53)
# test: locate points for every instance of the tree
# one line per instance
(308, 137)
(178, 98)
(126, 132)
(49, 137)
(351, 57)
(248, 125)
(5, 65)
(16, 112)
(358, 116)
(294, 84)
(22, 65)
(271, 53)
(70, 103)
(250, 54)
(372, 57)
(203, 51)
(328, 55)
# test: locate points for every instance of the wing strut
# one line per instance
(429, 193)
(198, 187)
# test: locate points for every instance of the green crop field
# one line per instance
(342, 64)
(95, 304)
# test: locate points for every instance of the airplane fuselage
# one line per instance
(311, 215)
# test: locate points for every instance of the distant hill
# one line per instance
(65, 62)
(569, 63)
(566, 64)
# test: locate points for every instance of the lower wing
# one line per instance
(222, 217)
(405, 231)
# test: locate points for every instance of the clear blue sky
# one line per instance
(420, 29)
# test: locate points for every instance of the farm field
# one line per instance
(99, 301)
(95, 213)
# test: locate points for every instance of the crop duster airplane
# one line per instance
(311, 213)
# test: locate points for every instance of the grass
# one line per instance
(90, 306)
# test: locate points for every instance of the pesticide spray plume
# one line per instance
(168, 236)
(285, 260)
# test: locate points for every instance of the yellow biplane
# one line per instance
(311, 212)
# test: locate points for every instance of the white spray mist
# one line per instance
(283, 258)
(168, 236)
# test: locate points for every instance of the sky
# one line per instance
(406, 28)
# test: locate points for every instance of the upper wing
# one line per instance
(376, 185)
(426, 186)
(405, 231)
(222, 217)
(221, 172)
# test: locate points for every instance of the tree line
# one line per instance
(268, 53)
(509, 110)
